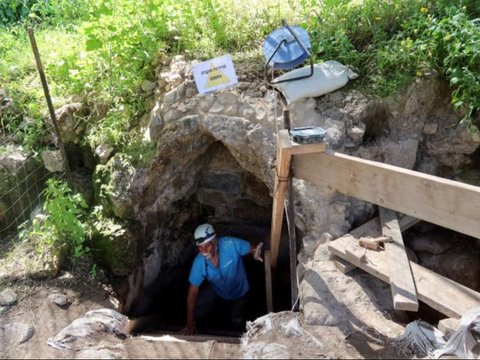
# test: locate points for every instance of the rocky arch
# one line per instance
(213, 168)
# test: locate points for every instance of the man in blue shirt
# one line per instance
(219, 262)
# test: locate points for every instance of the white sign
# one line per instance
(214, 74)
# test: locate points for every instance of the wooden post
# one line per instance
(46, 91)
(285, 150)
(268, 280)
(282, 170)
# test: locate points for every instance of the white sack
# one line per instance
(327, 77)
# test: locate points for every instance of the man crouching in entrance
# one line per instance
(220, 263)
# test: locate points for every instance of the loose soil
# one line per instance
(85, 294)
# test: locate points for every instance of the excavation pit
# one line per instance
(236, 203)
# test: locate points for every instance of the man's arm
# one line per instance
(191, 302)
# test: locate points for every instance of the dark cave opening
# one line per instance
(237, 203)
(167, 304)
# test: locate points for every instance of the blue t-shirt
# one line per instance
(229, 280)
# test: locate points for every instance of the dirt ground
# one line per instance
(84, 294)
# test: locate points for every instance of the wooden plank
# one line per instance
(268, 280)
(282, 169)
(453, 300)
(342, 265)
(402, 284)
(406, 222)
(300, 149)
(356, 251)
(443, 202)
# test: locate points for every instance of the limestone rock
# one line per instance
(53, 160)
(114, 244)
(116, 192)
(432, 243)
(16, 333)
(319, 306)
(8, 297)
(58, 299)
(357, 132)
(155, 122)
(103, 151)
(148, 86)
(69, 122)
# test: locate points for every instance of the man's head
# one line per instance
(205, 239)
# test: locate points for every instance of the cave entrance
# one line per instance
(236, 203)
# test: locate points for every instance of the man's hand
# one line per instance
(257, 255)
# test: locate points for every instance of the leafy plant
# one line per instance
(63, 224)
(455, 41)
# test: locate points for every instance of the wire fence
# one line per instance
(23, 174)
(22, 178)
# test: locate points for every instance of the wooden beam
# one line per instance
(342, 265)
(439, 292)
(285, 150)
(402, 284)
(440, 201)
(268, 280)
(282, 169)
(345, 267)
(406, 222)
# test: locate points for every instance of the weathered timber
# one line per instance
(440, 201)
(342, 265)
(282, 172)
(402, 284)
(268, 280)
(285, 150)
(443, 294)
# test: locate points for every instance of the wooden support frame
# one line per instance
(440, 201)
(443, 294)
(285, 150)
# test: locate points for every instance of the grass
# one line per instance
(91, 53)
(100, 51)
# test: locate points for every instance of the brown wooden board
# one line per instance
(282, 169)
(285, 150)
(343, 265)
(443, 294)
(404, 293)
(268, 280)
(443, 202)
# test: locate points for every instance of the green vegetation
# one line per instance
(102, 50)
(99, 52)
(63, 226)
